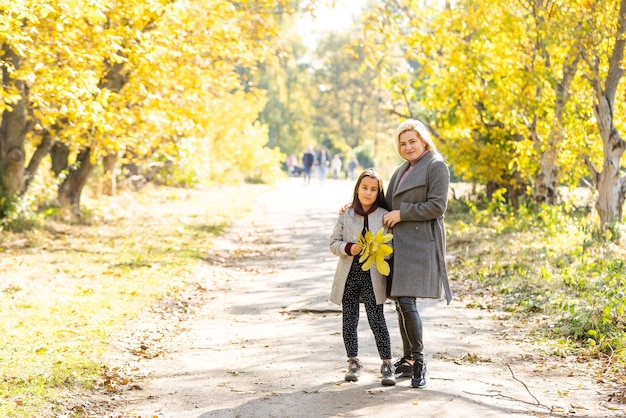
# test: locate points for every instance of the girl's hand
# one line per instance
(355, 249)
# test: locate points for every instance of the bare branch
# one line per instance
(595, 175)
(524, 384)
(616, 71)
(402, 115)
(500, 395)
(608, 362)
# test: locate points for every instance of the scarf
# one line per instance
(358, 209)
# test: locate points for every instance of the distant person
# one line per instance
(335, 166)
(323, 162)
(308, 159)
(351, 284)
(352, 165)
(292, 163)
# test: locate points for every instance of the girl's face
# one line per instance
(367, 192)
(410, 145)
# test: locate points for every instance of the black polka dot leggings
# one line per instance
(359, 284)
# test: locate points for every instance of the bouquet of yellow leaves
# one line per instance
(374, 250)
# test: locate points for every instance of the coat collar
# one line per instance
(415, 177)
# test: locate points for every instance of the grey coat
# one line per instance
(419, 261)
(346, 230)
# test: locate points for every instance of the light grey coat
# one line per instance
(419, 259)
(346, 230)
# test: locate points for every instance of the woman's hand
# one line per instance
(392, 218)
(344, 208)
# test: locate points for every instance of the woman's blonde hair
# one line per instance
(422, 132)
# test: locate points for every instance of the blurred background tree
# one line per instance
(523, 96)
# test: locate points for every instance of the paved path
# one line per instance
(266, 343)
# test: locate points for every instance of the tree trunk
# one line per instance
(545, 190)
(59, 153)
(622, 196)
(115, 79)
(72, 187)
(491, 188)
(546, 183)
(43, 149)
(109, 161)
(608, 182)
(13, 130)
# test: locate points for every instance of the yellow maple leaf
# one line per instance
(374, 250)
(364, 241)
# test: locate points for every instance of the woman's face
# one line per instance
(410, 145)
(367, 192)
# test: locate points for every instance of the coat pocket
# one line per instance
(424, 231)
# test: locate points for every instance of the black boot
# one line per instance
(419, 374)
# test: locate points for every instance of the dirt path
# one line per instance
(262, 341)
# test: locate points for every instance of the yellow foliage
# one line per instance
(374, 249)
(145, 75)
(486, 76)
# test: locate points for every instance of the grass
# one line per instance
(552, 273)
(65, 288)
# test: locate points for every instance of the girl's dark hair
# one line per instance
(380, 199)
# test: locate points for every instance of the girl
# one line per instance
(351, 284)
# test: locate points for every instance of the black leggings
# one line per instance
(410, 328)
(359, 284)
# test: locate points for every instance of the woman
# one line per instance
(417, 196)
